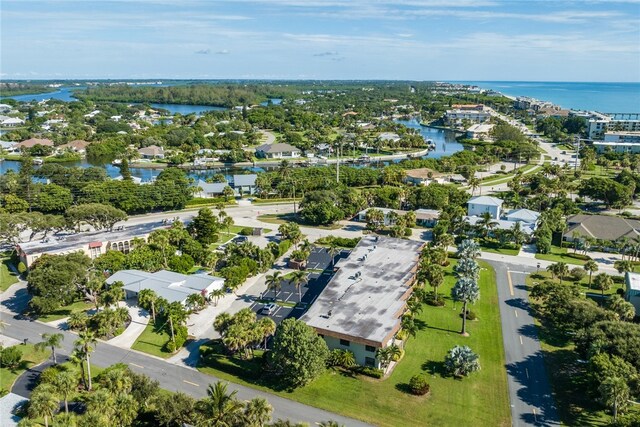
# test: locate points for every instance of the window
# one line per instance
(370, 348)
(370, 361)
(344, 342)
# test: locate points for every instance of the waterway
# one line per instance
(444, 140)
(146, 174)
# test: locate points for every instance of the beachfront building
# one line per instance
(279, 150)
(174, 287)
(361, 307)
(632, 290)
(477, 206)
(619, 142)
(598, 124)
(475, 113)
(92, 244)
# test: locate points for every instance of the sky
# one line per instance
(517, 40)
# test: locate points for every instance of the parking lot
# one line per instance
(316, 282)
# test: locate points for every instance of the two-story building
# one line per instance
(361, 307)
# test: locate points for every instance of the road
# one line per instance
(171, 377)
(529, 389)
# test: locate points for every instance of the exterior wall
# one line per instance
(474, 209)
(621, 147)
(359, 350)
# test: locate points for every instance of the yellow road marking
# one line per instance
(189, 382)
(137, 366)
(510, 282)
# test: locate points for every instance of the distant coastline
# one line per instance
(604, 97)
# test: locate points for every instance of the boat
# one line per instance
(38, 161)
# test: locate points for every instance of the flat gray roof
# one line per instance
(174, 287)
(365, 298)
(69, 242)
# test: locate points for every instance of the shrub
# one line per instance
(21, 267)
(370, 372)
(343, 242)
(470, 315)
(578, 273)
(430, 299)
(10, 357)
(418, 385)
(283, 247)
(246, 231)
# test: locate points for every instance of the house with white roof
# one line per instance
(632, 290)
(278, 150)
(174, 287)
(477, 206)
(5, 108)
(10, 122)
(9, 146)
(522, 215)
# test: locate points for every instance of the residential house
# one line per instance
(480, 131)
(476, 206)
(601, 227)
(9, 146)
(522, 215)
(362, 215)
(32, 142)
(174, 287)
(632, 290)
(424, 176)
(279, 150)
(152, 152)
(427, 217)
(244, 184)
(5, 108)
(10, 122)
(389, 137)
(361, 307)
(210, 189)
(78, 146)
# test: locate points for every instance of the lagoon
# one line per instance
(444, 140)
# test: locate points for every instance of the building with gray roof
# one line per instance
(601, 227)
(361, 307)
(244, 184)
(278, 150)
(174, 287)
(210, 189)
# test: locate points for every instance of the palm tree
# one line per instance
(43, 404)
(333, 250)
(298, 278)
(257, 412)
(51, 341)
(66, 382)
(274, 282)
(591, 266)
(603, 282)
(466, 290)
(461, 361)
(267, 327)
(614, 393)
(624, 309)
(517, 234)
(486, 224)
(220, 408)
(623, 266)
(409, 325)
(468, 248)
(228, 222)
(84, 346)
(474, 184)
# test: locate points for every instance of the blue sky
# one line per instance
(315, 39)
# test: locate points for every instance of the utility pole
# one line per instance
(338, 164)
(575, 168)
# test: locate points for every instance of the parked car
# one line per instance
(269, 309)
(240, 239)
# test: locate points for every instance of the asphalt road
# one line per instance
(171, 377)
(529, 389)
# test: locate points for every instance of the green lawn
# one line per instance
(560, 255)
(30, 357)
(152, 342)
(7, 278)
(480, 400)
(65, 311)
(501, 251)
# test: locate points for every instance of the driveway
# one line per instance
(139, 321)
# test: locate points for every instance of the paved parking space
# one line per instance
(320, 258)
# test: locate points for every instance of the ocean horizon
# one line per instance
(606, 97)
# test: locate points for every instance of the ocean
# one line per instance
(603, 97)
